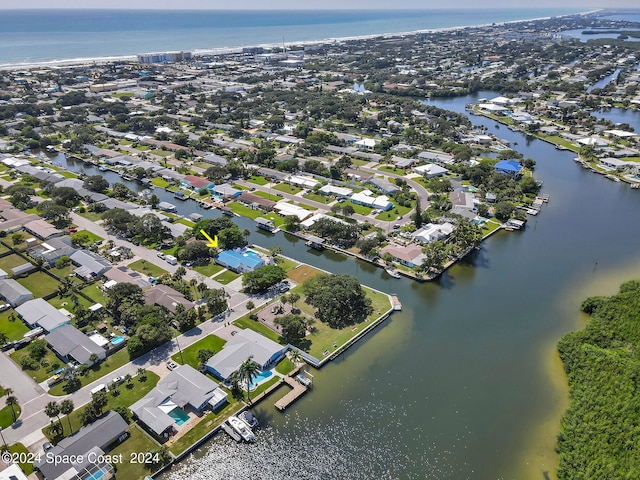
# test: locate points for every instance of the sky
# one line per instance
(325, 4)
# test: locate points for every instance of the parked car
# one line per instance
(4, 306)
(117, 380)
(46, 446)
(172, 365)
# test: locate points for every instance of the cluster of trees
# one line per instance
(145, 230)
(339, 233)
(228, 233)
(339, 300)
(263, 278)
(54, 409)
(599, 432)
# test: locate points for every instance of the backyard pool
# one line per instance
(117, 340)
(261, 377)
(179, 416)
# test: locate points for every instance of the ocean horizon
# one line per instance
(50, 37)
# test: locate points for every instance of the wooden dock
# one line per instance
(396, 303)
(297, 391)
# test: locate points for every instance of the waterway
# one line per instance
(463, 383)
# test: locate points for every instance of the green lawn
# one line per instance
(43, 372)
(148, 268)
(285, 366)
(394, 213)
(186, 222)
(209, 269)
(306, 206)
(92, 291)
(138, 442)
(261, 388)
(159, 182)
(161, 153)
(489, 227)
(268, 196)
(210, 421)
(92, 236)
(13, 329)
(286, 264)
(361, 209)
(94, 217)
(113, 362)
(286, 188)
(247, 212)
(67, 302)
(126, 398)
(6, 417)
(258, 180)
(27, 468)
(190, 354)
(557, 140)
(3, 249)
(246, 322)
(226, 277)
(11, 261)
(388, 168)
(64, 272)
(39, 283)
(319, 198)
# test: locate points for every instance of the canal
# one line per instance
(464, 382)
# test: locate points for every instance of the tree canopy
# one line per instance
(262, 278)
(339, 300)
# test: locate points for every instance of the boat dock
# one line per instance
(298, 389)
(397, 306)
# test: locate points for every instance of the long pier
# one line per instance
(293, 395)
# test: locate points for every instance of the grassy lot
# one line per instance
(256, 326)
(11, 261)
(113, 362)
(286, 264)
(123, 141)
(286, 188)
(186, 222)
(92, 236)
(148, 268)
(489, 227)
(319, 198)
(247, 212)
(209, 269)
(302, 273)
(394, 213)
(3, 248)
(226, 277)
(159, 182)
(361, 209)
(268, 196)
(43, 372)
(557, 140)
(161, 153)
(210, 421)
(92, 291)
(138, 442)
(397, 171)
(126, 398)
(39, 283)
(306, 206)
(285, 366)
(359, 162)
(6, 417)
(190, 354)
(94, 217)
(27, 468)
(67, 302)
(258, 180)
(13, 329)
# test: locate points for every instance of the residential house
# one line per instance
(41, 229)
(431, 170)
(196, 183)
(432, 232)
(14, 293)
(226, 191)
(246, 343)
(183, 387)
(366, 144)
(286, 209)
(72, 345)
(383, 185)
(410, 256)
(239, 261)
(126, 275)
(303, 181)
(368, 199)
(335, 190)
(508, 167)
(39, 313)
(462, 200)
(401, 162)
(256, 201)
(82, 455)
(436, 157)
(90, 265)
(53, 249)
(167, 297)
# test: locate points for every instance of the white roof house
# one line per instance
(430, 170)
(368, 199)
(285, 209)
(335, 190)
(432, 232)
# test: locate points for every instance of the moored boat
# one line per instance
(242, 429)
(392, 272)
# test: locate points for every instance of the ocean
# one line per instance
(29, 37)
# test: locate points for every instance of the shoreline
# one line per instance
(238, 48)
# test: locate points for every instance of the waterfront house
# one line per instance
(366, 144)
(38, 312)
(462, 200)
(71, 344)
(256, 202)
(184, 387)
(508, 167)
(436, 157)
(432, 232)
(265, 224)
(286, 209)
(246, 343)
(239, 261)
(226, 191)
(196, 183)
(14, 293)
(410, 256)
(167, 297)
(430, 170)
(82, 455)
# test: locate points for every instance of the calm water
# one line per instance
(456, 385)
(32, 36)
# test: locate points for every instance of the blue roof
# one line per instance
(508, 166)
(235, 259)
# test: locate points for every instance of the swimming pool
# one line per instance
(117, 340)
(251, 253)
(179, 416)
(261, 377)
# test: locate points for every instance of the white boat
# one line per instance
(612, 177)
(242, 429)
(250, 419)
(392, 273)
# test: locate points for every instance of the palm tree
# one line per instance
(295, 356)
(52, 409)
(3, 338)
(248, 370)
(66, 407)
(11, 401)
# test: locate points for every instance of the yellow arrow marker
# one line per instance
(213, 242)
